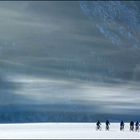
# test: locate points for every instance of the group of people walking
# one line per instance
(132, 125)
(98, 124)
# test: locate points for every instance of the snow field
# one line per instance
(65, 131)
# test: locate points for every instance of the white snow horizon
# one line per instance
(65, 131)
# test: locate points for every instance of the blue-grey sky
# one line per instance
(71, 53)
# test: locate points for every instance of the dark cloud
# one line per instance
(41, 36)
(52, 52)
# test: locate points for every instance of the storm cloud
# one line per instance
(70, 53)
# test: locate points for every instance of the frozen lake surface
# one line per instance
(64, 131)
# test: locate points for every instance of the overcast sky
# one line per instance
(84, 53)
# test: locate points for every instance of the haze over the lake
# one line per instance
(71, 56)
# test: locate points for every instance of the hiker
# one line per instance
(131, 126)
(98, 125)
(137, 126)
(107, 124)
(122, 125)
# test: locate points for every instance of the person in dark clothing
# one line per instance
(122, 125)
(107, 124)
(131, 126)
(98, 124)
(137, 126)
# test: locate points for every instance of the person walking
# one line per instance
(98, 125)
(107, 125)
(137, 126)
(131, 126)
(121, 126)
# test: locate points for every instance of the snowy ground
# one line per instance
(64, 131)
